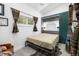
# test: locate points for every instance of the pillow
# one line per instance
(4, 48)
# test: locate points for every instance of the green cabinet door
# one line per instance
(63, 24)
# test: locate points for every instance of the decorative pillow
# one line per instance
(4, 48)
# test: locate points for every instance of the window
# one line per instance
(25, 19)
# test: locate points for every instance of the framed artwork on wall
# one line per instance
(3, 21)
(1, 9)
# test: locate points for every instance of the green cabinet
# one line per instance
(63, 24)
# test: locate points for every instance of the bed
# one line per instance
(44, 41)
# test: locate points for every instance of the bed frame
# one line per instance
(48, 52)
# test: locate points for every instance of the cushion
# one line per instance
(4, 48)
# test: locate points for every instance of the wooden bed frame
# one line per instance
(48, 52)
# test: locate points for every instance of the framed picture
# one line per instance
(3, 21)
(2, 9)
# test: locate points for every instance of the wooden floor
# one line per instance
(27, 51)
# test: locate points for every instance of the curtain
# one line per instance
(77, 16)
(35, 22)
(15, 14)
(75, 40)
(69, 33)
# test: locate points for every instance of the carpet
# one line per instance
(28, 51)
(56, 53)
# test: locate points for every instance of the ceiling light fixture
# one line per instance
(42, 4)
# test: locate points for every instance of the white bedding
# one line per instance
(44, 40)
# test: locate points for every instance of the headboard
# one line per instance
(51, 32)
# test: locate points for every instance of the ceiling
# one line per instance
(37, 6)
(44, 7)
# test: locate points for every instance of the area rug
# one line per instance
(56, 53)
(28, 51)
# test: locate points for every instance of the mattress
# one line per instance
(44, 40)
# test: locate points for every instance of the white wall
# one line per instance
(18, 39)
(58, 9)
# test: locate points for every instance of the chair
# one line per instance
(7, 49)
